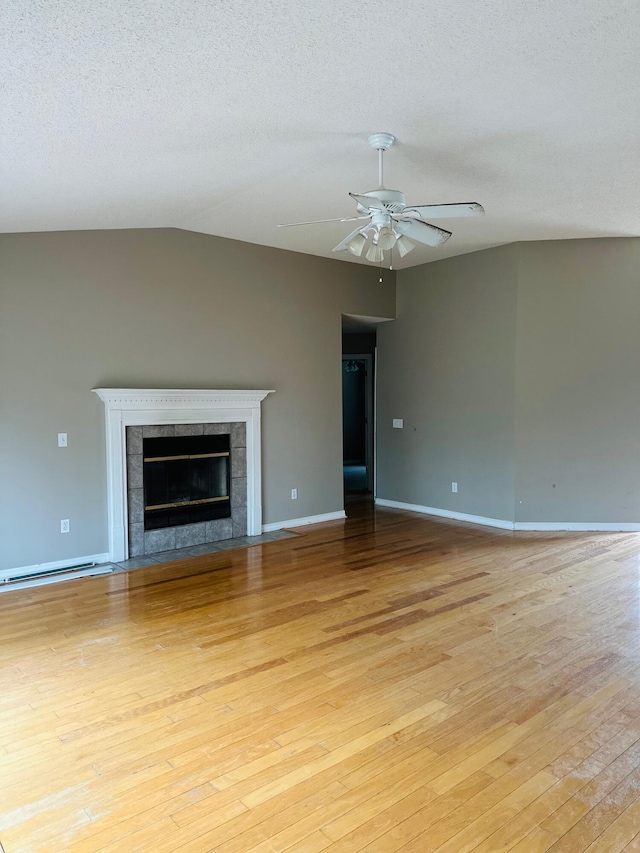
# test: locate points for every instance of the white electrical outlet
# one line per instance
(454, 487)
(398, 423)
(62, 439)
(64, 525)
(294, 494)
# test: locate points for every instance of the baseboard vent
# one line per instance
(46, 573)
(46, 576)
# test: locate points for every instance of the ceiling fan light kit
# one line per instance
(386, 237)
(374, 254)
(404, 245)
(392, 224)
(356, 245)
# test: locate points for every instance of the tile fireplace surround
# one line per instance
(144, 542)
(149, 407)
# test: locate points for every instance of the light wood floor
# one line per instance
(390, 684)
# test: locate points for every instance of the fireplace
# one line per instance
(186, 480)
(133, 415)
(186, 485)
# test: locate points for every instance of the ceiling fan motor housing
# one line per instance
(393, 200)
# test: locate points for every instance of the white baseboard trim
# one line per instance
(580, 526)
(41, 568)
(300, 522)
(541, 526)
(446, 513)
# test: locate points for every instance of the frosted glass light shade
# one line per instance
(387, 237)
(357, 244)
(404, 245)
(374, 253)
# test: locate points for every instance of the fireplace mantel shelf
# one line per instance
(147, 406)
(143, 398)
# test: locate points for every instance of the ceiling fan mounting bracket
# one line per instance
(381, 141)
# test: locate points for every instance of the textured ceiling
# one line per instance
(228, 118)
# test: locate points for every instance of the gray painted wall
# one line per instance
(446, 366)
(163, 308)
(578, 381)
(517, 371)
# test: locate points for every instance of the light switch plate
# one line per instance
(62, 439)
(398, 423)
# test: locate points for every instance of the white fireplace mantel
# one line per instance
(147, 406)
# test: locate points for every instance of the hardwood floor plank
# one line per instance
(537, 841)
(390, 683)
(620, 832)
(392, 829)
(440, 838)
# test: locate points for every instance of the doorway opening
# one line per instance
(358, 369)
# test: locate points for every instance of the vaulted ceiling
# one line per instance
(229, 118)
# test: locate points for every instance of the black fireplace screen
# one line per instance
(186, 480)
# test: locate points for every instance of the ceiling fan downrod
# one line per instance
(381, 141)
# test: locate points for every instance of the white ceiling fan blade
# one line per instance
(368, 202)
(444, 211)
(344, 245)
(318, 221)
(422, 232)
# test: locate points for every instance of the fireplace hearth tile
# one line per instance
(207, 548)
(134, 471)
(239, 462)
(229, 544)
(191, 534)
(221, 528)
(276, 535)
(136, 540)
(134, 439)
(158, 430)
(138, 563)
(217, 429)
(238, 435)
(136, 506)
(241, 542)
(189, 429)
(171, 556)
(239, 522)
(159, 540)
(238, 492)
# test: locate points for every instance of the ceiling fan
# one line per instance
(390, 222)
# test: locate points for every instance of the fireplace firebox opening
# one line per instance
(187, 479)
